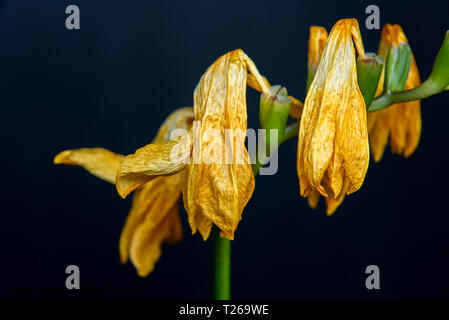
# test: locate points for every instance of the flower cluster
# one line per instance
(335, 135)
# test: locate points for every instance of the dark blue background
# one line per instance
(113, 82)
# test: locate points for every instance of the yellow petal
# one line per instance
(152, 221)
(100, 162)
(333, 137)
(295, 108)
(181, 118)
(406, 119)
(400, 122)
(317, 42)
(162, 157)
(216, 192)
(332, 202)
(313, 198)
(379, 122)
(253, 83)
(151, 161)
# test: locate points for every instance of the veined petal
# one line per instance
(100, 162)
(216, 187)
(333, 138)
(152, 221)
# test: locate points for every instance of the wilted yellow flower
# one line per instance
(217, 178)
(333, 151)
(154, 215)
(317, 42)
(400, 122)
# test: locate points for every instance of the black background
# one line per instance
(113, 82)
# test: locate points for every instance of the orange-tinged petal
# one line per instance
(333, 137)
(216, 192)
(100, 162)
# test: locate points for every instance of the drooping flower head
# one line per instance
(401, 122)
(219, 180)
(154, 215)
(333, 151)
(217, 173)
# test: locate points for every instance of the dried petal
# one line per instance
(151, 161)
(400, 122)
(333, 138)
(100, 162)
(215, 192)
(162, 157)
(332, 202)
(154, 216)
(317, 42)
(152, 221)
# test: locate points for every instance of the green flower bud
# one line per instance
(273, 112)
(397, 67)
(369, 69)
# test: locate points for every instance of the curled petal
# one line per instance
(100, 162)
(151, 161)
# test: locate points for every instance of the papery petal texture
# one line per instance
(219, 180)
(159, 158)
(333, 138)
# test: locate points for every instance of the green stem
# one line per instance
(222, 266)
(425, 90)
(291, 130)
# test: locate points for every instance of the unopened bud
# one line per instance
(369, 69)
